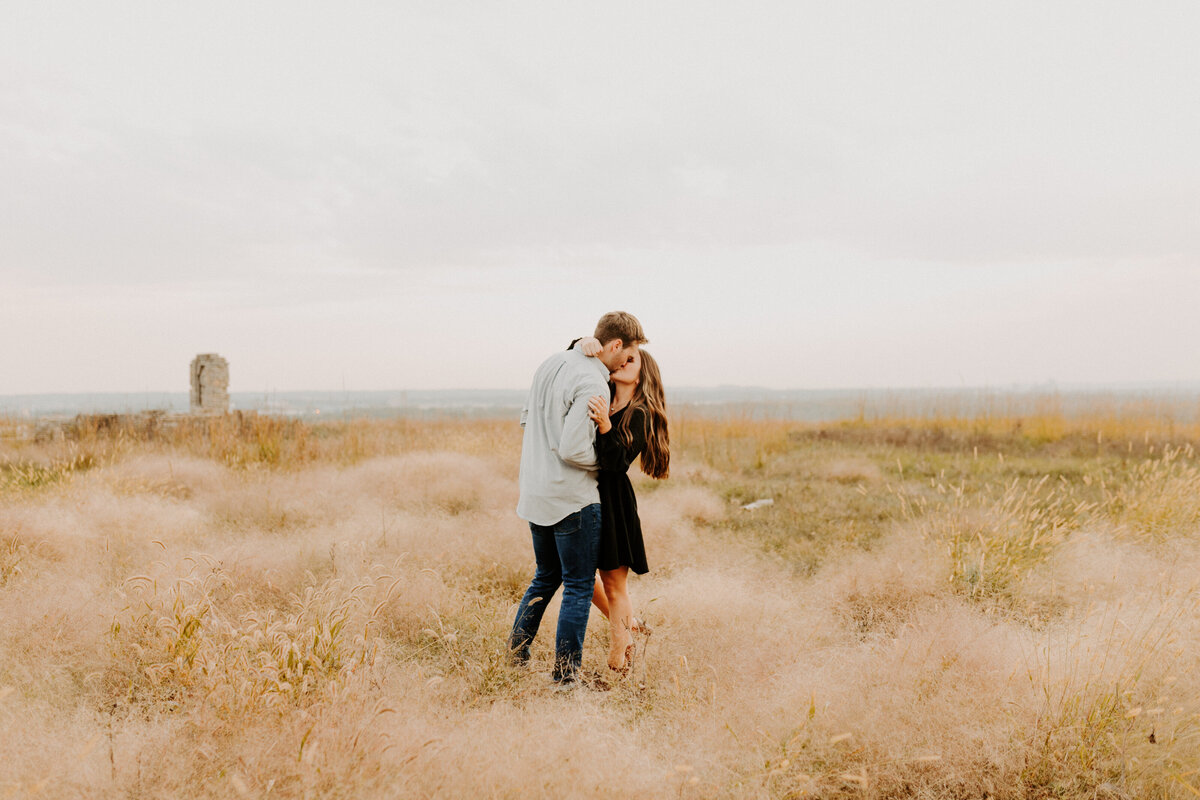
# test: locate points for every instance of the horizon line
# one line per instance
(1049, 386)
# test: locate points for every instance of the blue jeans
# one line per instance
(566, 556)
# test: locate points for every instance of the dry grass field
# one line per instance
(942, 607)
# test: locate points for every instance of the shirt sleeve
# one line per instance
(611, 454)
(578, 443)
(525, 408)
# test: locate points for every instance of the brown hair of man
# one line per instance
(620, 325)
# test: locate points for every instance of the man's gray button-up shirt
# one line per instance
(558, 452)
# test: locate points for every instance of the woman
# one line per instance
(634, 423)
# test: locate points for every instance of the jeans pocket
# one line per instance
(569, 524)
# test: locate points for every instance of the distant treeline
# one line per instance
(1181, 403)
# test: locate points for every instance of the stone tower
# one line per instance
(210, 384)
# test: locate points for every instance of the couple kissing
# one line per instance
(592, 410)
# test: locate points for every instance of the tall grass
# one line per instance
(248, 607)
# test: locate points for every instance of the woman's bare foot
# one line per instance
(621, 653)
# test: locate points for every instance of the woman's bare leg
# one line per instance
(620, 616)
(599, 599)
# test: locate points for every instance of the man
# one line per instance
(559, 497)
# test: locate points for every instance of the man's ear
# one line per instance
(615, 346)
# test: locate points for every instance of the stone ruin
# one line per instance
(210, 384)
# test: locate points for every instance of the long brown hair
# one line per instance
(648, 395)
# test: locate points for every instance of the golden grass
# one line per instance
(932, 607)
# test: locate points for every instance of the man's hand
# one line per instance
(589, 346)
(598, 411)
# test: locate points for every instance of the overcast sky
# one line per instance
(438, 195)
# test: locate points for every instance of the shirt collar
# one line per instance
(599, 365)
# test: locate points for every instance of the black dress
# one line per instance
(620, 529)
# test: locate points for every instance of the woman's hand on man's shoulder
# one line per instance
(589, 346)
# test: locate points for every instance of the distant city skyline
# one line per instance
(788, 195)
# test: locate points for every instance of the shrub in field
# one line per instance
(36, 475)
(1159, 497)
(197, 639)
(995, 535)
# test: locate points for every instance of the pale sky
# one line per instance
(439, 195)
